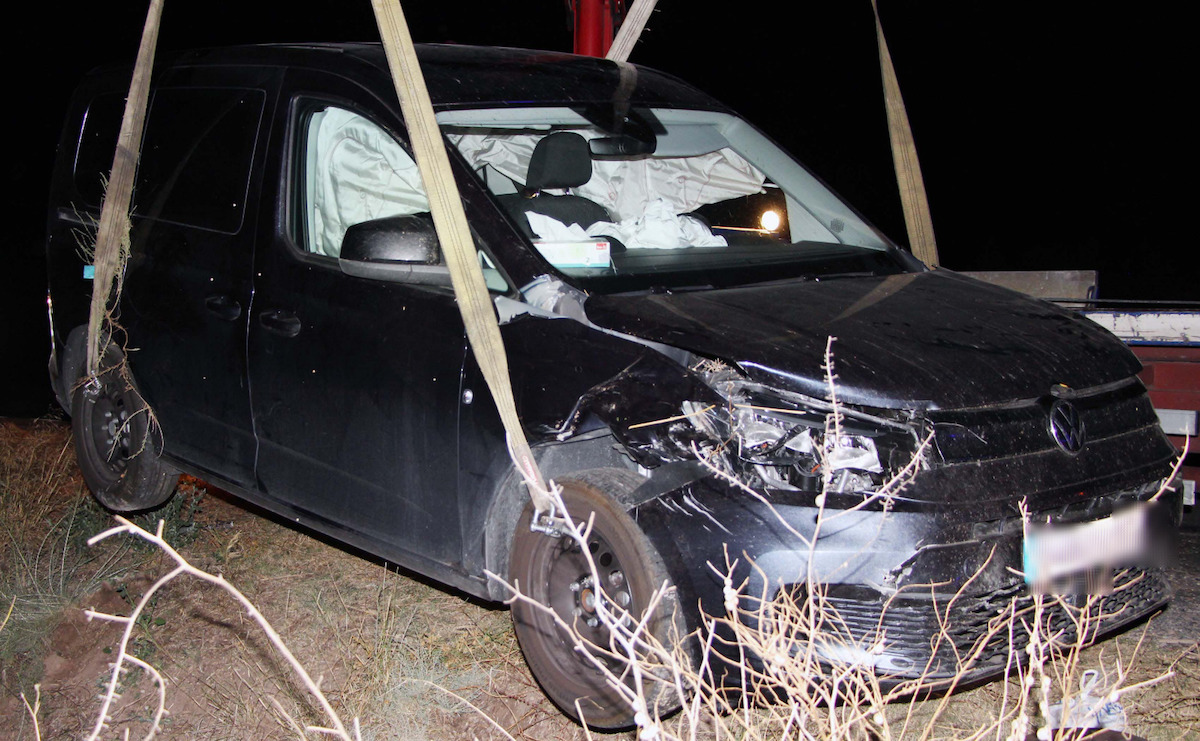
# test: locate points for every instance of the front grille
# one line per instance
(972, 435)
(937, 637)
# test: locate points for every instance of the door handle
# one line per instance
(223, 307)
(281, 322)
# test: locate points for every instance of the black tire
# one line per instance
(554, 572)
(117, 442)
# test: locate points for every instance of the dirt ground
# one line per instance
(407, 658)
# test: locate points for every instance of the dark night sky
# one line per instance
(1050, 134)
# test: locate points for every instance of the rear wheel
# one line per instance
(554, 572)
(116, 442)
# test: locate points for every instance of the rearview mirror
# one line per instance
(621, 146)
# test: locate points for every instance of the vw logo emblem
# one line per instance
(1065, 426)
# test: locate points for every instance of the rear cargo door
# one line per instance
(187, 287)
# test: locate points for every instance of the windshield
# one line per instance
(662, 198)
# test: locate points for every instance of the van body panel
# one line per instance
(349, 401)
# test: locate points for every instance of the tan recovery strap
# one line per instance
(904, 157)
(631, 30)
(112, 235)
(474, 302)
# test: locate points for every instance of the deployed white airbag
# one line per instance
(359, 173)
(658, 228)
(553, 230)
(628, 187)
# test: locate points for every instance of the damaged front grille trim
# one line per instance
(789, 441)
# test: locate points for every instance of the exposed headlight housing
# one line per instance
(791, 441)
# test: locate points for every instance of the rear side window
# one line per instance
(97, 143)
(196, 155)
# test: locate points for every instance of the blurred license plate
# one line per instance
(1055, 551)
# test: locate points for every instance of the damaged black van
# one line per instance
(668, 281)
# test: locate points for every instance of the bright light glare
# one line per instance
(770, 221)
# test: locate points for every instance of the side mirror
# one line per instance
(399, 249)
(407, 239)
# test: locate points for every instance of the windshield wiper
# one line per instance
(774, 281)
(681, 289)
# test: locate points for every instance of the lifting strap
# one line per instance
(904, 157)
(462, 258)
(112, 235)
(475, 304)
(631, 30)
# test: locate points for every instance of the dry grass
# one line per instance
(46, 519)
(805, 674)
(804, 689)
(392, 650)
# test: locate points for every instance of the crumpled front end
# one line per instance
(905, 521)
(908, 528)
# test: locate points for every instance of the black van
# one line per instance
(668, 281)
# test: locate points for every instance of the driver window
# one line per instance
(354, 171)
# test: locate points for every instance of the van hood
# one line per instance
(916, 340)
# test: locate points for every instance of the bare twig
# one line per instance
(810, 678)
(182, 567)
(11, 603)
(34, 709)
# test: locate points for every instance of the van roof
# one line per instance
(460, 76)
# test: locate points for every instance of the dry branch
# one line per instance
(182, 567)
(809, 680)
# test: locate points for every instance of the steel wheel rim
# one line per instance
(573, 596)
(111, 429)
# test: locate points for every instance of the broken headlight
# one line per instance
(790, 441)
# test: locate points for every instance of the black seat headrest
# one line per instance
(560, 160)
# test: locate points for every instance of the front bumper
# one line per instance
(917, 592)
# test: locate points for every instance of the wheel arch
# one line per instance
(117, 441)
(74, 356)
(631, 568)
(597, 450)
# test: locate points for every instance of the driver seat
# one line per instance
(560, 160)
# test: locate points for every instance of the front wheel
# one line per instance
(554, 572)
(117, 443)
